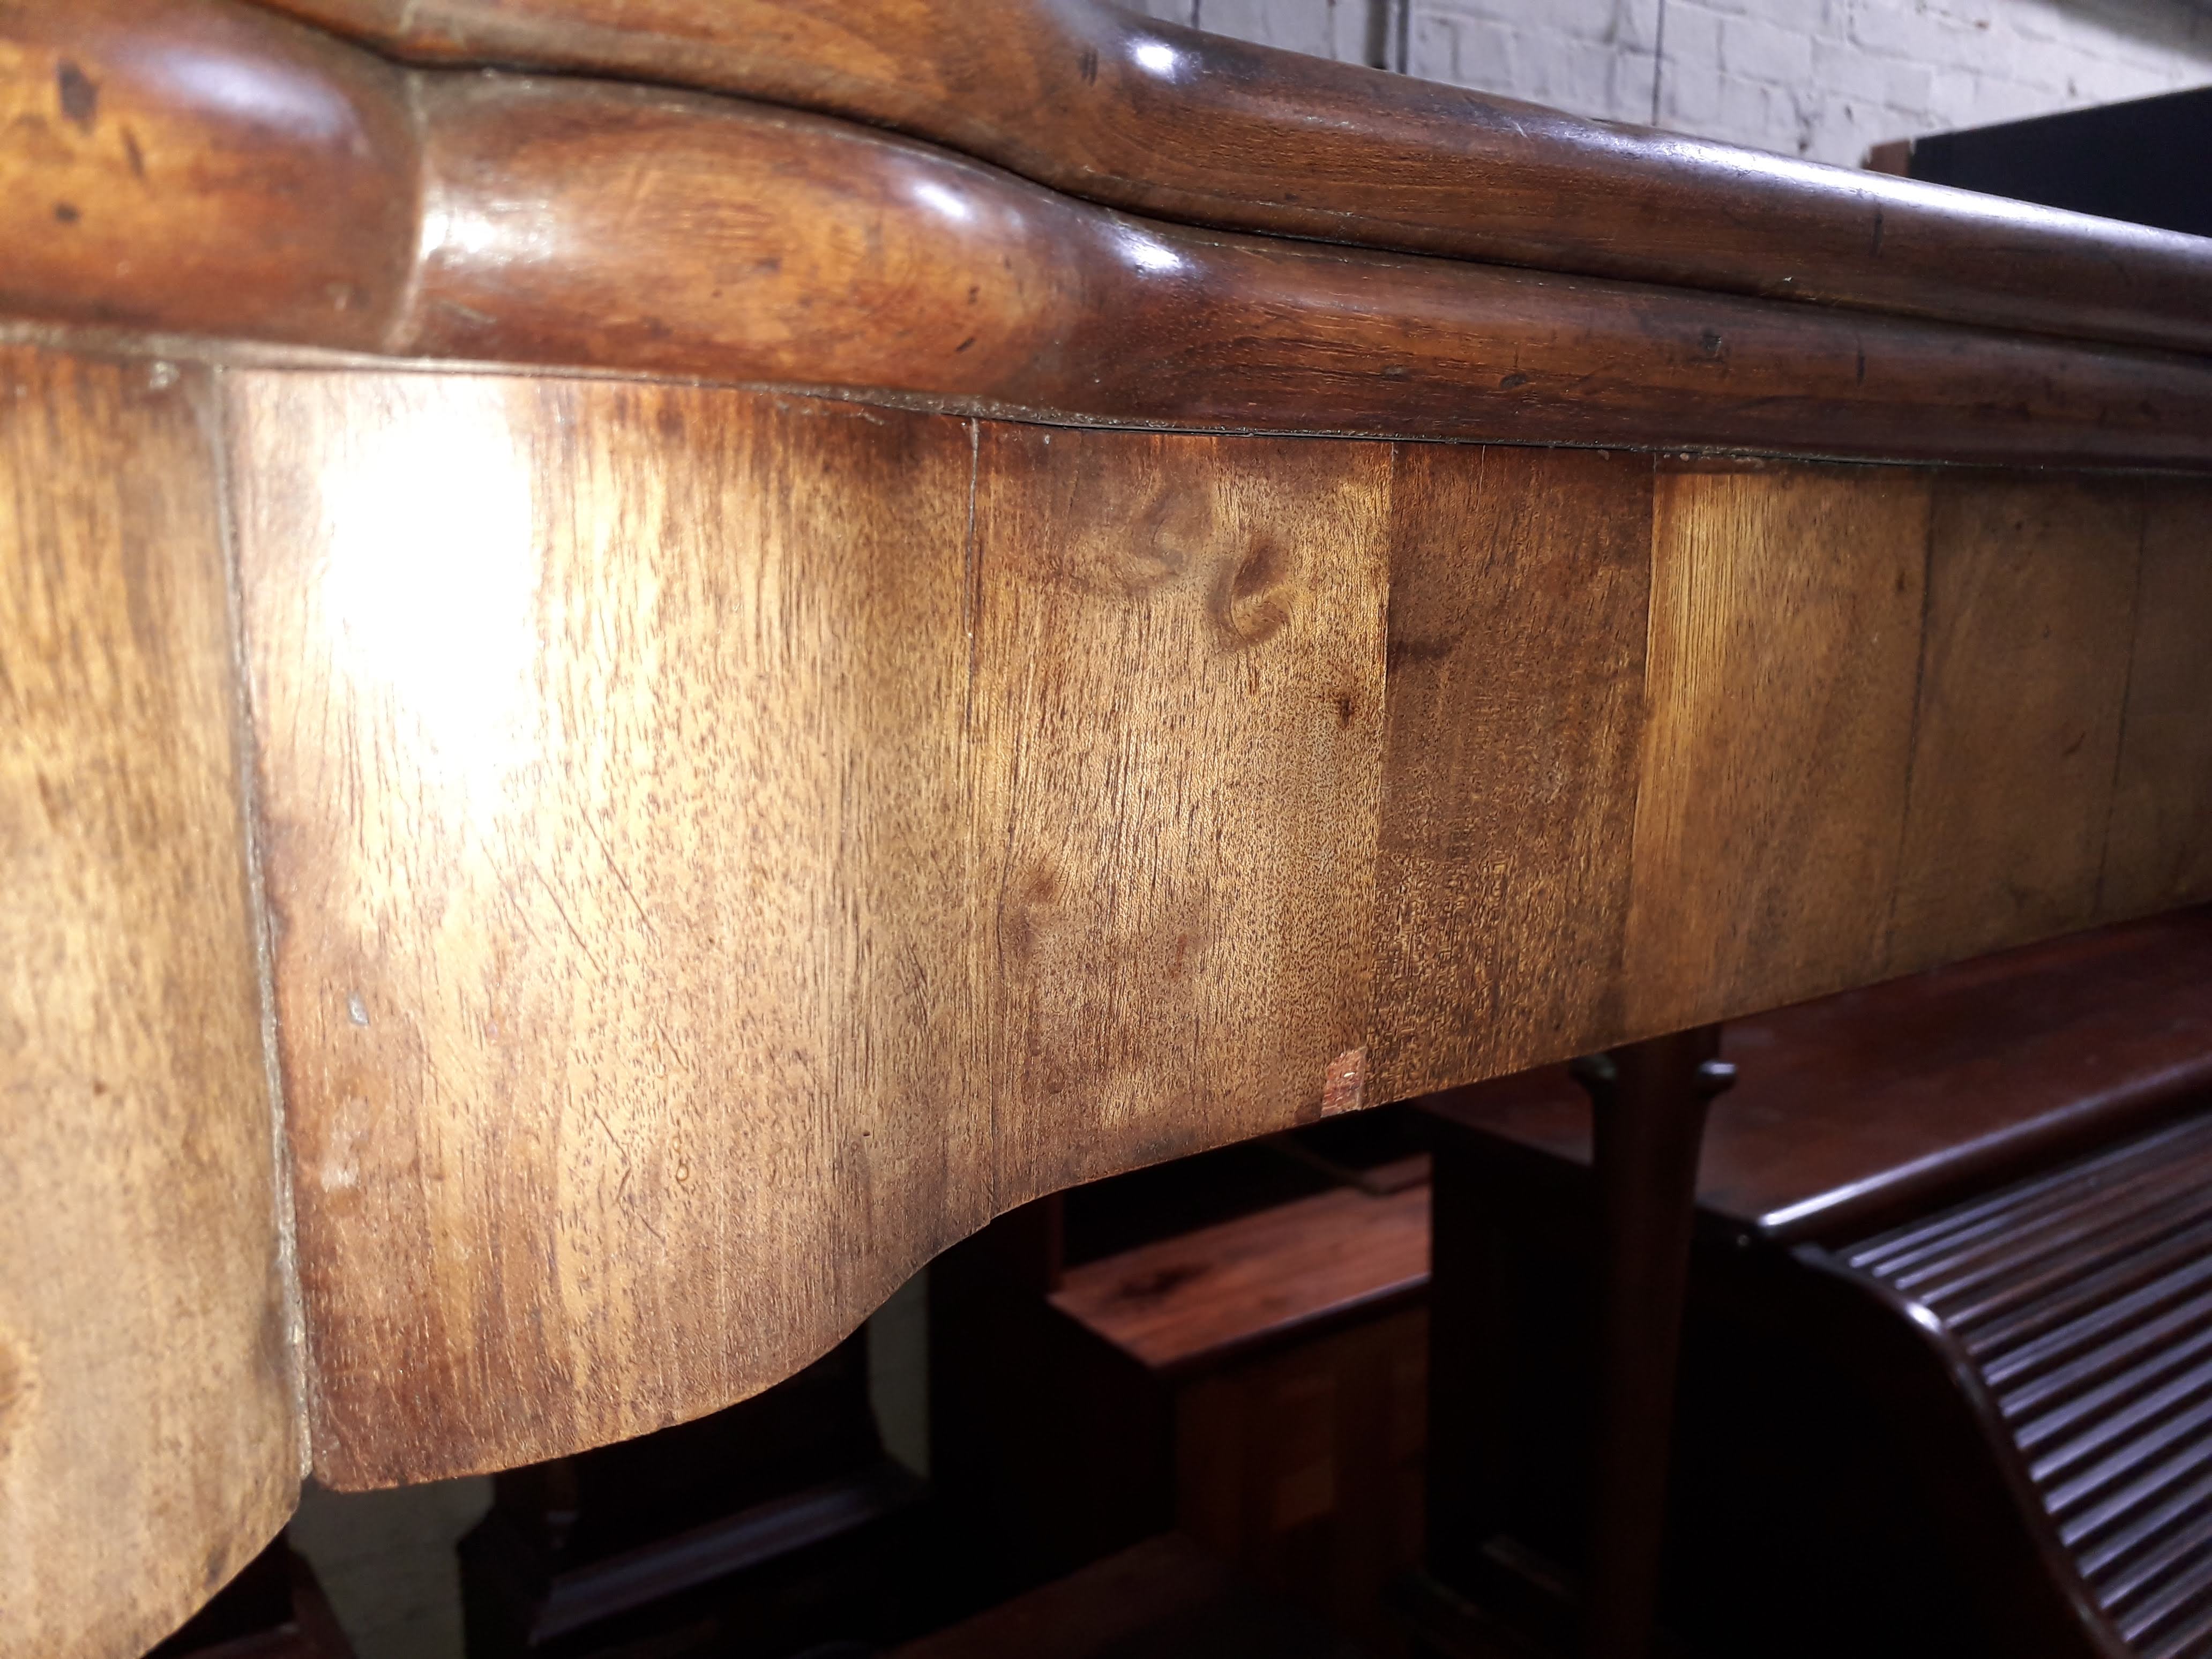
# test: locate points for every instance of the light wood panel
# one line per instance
(1178, 718)
(2024, 667)
(612, 746)
(1517, 595)
(1785, 645)
(2159, 848)
(725, 847)
(147, 1441)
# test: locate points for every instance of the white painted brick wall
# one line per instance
(1822, 78)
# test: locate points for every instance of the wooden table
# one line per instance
(640, 689)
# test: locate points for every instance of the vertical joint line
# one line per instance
(986, 921)
(221, 430)
(971, 579)
(1658, 58)
(2144, 505)
(1912, 726)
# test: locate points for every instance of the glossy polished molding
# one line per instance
(572, 223)
(796, 250)
(203, 168)
(1094, 99)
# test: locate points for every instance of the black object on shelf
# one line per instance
(2148, 161)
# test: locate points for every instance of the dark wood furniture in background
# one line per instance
(1237, 1352)
(1947, 1388)
(1128, 1360)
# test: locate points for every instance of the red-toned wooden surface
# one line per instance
(350, 203)
(1254, 1280)
(1847, 1107)
(1094, 99)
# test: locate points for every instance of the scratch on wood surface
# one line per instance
(1344, 1086)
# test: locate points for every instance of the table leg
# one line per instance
(1648, 1102)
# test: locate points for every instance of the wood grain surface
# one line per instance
(1092, 98)
(2024, 673)
(720, 848)
(1192, 1300)
(1849, 1110)
(2158, 852)
(1784, 646)
(571, 223)
(723, 847)
(1178, 720)
(716, 847)
(201, 166)
(1305, 1465)
(147, 1446)
(1519, 588)
(611, 739)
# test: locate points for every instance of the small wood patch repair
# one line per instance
(1344, 1086)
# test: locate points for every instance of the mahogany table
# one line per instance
(658, 653)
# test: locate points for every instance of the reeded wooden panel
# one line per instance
(2072, 1306)
(1178, 706)
(147, 1441)
(2159, 850)
(2024, 668)
(611, 748)
(1785, 639)
(1518, 597)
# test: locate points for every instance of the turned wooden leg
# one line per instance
(1648, 1103)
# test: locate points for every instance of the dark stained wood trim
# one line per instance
(1089, 98)
(575, 223)
(1648, 1104)
(202, 167)
(1861, 1109)
(591, 223)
